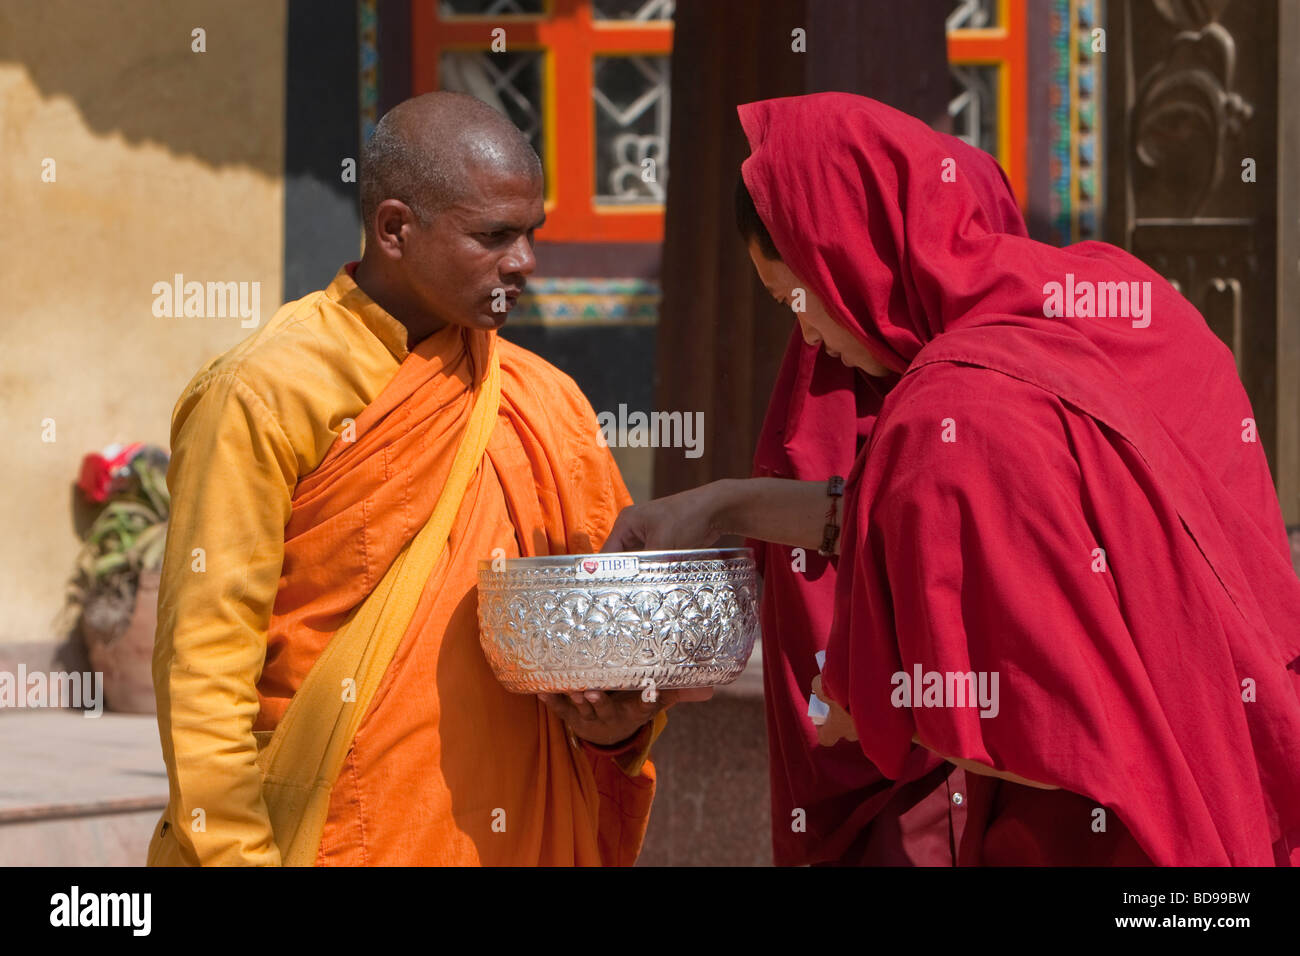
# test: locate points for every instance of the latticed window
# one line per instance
(987, 54)
(588, 83)
(512, 82)
(631, 94)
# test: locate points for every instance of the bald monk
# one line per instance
(306, 460)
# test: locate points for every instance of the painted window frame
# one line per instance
(1005, 47)
(569, 39)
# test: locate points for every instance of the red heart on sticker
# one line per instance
(589, 567)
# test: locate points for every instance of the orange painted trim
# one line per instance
(1007, 48)
(479, 33)
(424, 49)
(569, 92)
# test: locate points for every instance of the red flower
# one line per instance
(98, 473)
(96, 478)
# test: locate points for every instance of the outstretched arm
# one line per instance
(779, 510)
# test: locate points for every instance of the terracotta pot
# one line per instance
(126, 661)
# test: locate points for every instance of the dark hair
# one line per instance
(749, 223)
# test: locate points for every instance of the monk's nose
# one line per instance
(519, 260)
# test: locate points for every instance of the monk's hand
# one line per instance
(688, 519)
(607, 718)
(838, 725)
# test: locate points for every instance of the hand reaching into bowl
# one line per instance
(780, 510)
(688, 519)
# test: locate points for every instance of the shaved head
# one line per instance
(424, 150)
(451, 193)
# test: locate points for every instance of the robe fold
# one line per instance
(820, 416)
(447, 767)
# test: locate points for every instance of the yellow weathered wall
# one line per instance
(168, 161)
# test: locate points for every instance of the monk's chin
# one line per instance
(482, 321)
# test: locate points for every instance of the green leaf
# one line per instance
(153, 483)
(152, 558)
(133, 512)
(143, 542)
(109, 563)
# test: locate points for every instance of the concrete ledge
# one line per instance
(77, 790)
(45, 656)
(712, 800)
(118, 840)
(713, 790)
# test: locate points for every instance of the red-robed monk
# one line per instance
(830, 804)
(1061, 561)
(340, 474)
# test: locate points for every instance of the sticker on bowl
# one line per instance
(590, 569)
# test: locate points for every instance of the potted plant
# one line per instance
(113, 594)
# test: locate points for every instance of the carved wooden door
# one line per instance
(1196, 146)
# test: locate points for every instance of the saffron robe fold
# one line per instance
(447, 767)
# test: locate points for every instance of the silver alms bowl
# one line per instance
(619, 621)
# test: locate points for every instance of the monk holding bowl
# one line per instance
(335, 480)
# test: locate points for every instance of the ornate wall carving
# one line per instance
(1192, 169)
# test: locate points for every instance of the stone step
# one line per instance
(77, 790)
(87, 791)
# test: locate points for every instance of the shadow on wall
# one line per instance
(113, 62)
(169, 161)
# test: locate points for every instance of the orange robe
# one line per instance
(447, 767)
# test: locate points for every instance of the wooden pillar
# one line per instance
(720, 336)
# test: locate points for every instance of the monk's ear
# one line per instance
(394, 221)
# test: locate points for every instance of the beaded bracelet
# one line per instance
(834, 490)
